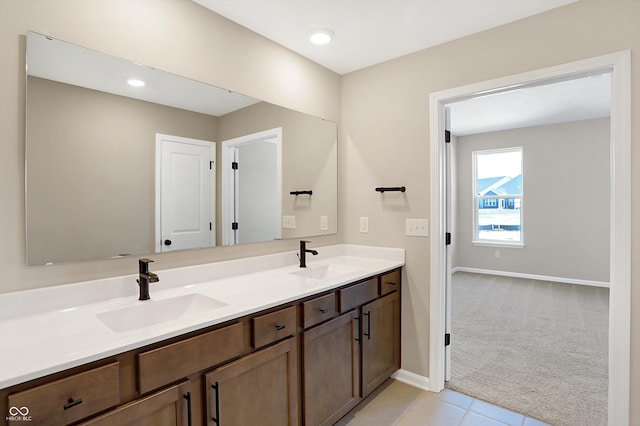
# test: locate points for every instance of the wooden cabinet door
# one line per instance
(168, 407)
(331, 370)
(380, 341)
(258, 389)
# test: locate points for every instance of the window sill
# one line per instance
(505, 244)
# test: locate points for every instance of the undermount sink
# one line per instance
(323, 272)
(152, 312)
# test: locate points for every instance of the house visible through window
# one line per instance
(497, 189)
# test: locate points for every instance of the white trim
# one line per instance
(531, 276)
(620, 231)
(504, 244)
(411, 379)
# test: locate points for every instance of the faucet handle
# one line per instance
(143, 265)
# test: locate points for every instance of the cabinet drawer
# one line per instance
(169, 363)
(389, 282)
(319, 309)
(358, 294)
(271, 327)
(73, 398)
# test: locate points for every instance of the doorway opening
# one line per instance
(252, 187)
(619, 260)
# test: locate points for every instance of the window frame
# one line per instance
(476, 240)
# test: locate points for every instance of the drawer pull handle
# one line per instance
(216, 387)
(324, 311)
(368, 333)
(280, 327)
(391, 283)
(187, 396)
(71, 403)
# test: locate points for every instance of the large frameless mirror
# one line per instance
(123, 159)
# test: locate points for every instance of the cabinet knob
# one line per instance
(72, 403)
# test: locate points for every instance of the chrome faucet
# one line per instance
(303, 253)
(146, 278)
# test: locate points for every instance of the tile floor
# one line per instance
(396, 403)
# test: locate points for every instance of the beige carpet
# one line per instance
(535, 347)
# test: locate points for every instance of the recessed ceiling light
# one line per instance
(320, 36)
(135, 82)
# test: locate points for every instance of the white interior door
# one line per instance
(185, 193)
(258, 202)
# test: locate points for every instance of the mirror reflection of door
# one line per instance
(252, 188)
(185, 193)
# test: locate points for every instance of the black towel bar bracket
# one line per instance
(301, 192)
(384, 189)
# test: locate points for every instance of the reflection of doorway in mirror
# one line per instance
(252, 187)
(185, 193)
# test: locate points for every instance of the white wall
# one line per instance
(566, 203)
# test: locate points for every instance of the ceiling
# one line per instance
(368, 32)
(580, 98)
(64, 62)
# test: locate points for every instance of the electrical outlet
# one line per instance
(324, 223)
(289, 222)
(417, 227)
(364, 225)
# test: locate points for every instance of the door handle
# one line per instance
(368, 333)
(216, 387)
(167, 242)
(187, 396)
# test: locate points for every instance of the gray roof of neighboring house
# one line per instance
(500, 185)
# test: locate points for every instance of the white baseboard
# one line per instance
(411, 379)
(531, 276)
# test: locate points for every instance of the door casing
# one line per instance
(229, 205)
(619, 64)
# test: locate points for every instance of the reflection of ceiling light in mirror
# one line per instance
(135, 82)
(320, 36)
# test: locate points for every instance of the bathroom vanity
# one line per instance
(273, 345)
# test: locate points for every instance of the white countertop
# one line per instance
(45, 331)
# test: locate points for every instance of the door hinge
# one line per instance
(234, 225)
(234, 165)
(447, 339)
(447, 238)
(211, 165)
(210, 226)
(447, 136)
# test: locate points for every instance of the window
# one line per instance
(498, 196)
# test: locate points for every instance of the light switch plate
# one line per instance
(417, 227)
(324, 223)
(364, 225)
(289, 222)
